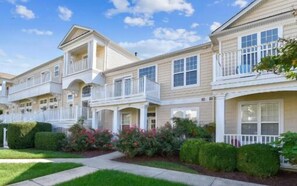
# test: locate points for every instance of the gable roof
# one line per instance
(75, 31)
(237, 16)
(6, 76)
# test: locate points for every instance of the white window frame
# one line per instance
(70, 100)
(56, 66)
(129, 113)
(185, 72)
(50, 76)
(185, 109)
(122, 78)
(86, 98)
(281, 114)
(156, 73)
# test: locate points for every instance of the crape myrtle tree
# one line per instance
(285, 62)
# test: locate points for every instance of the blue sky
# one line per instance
(30, 30)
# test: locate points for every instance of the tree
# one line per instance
(285, 62)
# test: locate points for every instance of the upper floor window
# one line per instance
(70, 98)
(45, 76)
(57, 71)
(185, 71)
(149, 72)
(86, 91)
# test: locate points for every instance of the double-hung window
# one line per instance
(261, 118)
(56, 71)
(149, 73)
(185, 71)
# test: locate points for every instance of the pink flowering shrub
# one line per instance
(103, 139)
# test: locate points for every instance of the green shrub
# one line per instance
(49, 140)
(258, 160)
(21, 135)
(189, 129)
(103, 139)
(287, 145)
(218, 157)
(189, 151)
(2, 125)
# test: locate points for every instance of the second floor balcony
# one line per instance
(126, 90)
(33, 87)
(3, 98)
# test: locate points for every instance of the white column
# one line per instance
(66, 58)
(143, 117)
(220, 118)
(4, 89)
(116, 121)
(92, 54)
(94, 119)
(214, 67)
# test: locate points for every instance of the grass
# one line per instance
(16, 172)
(169, 166)
(116, 178)
(33, 154)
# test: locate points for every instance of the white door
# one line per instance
(123, 87)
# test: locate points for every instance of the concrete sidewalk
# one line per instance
(105, 162)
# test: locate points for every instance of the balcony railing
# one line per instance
(127, 90)
(30, 83)
(240, 140)
(3, 98)
(78, 66)
(50, 115)
(242, 62)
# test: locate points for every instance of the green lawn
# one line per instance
(116, 178)
(168, 165)
(16, 172)
(33, 154)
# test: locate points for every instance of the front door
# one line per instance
(151, 121)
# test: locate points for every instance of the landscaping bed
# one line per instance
(116, 178)
(92, 153)
(282, 178)
(17, 172)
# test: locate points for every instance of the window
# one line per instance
(43, 101)
(57, 71)
(261, 118)
(269, 40)
(69, 97)
(185, 71)
(149, 72)
(45, 76)
(189, 113)
(123, 87)
(86, 91)
(53, 100)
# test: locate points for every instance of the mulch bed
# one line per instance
(284, 178)
(93, 153)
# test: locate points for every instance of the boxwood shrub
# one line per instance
(258, 160)
(189, 151)
(21, 135)
(218, 157)
(2, 125)
(49, 140)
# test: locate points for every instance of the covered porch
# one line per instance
(120, 117)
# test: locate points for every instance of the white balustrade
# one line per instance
(240, 139)
(78, 66)
(242, 62)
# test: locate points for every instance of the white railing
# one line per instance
(29, 84)
(240, 139)
(51, 115)
(128, 88)
(242, 62)
(78, 66)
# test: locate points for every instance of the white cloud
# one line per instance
(2, 53)
(24, 12)
(64, 13)
(215, 25)
(147, 8)
(38, 32)
(240, 3)
(164, 40)
(138, 21)
(194, 25)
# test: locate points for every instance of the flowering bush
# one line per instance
(82, 140)
(103, 139)
(135, 142)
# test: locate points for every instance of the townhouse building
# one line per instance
(212, 82)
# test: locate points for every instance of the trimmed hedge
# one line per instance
(189, 151)
(21, 135)
(218, 157)
(2, 125)
(49, 140)
(258, 160)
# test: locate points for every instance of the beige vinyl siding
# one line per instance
(229, 45)
(290, 30)
(205, 112)
(290, 107)
(75, 34)
(265, 9)
(115, 58)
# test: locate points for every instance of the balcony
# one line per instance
(126, 91)
(35, 87)
(78, 66)
(3, 99)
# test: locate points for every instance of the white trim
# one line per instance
(70, 100)
(58, 70)
(68, 33)
(81, 93)
(185, 72)
(186, 100)
(130, 76)
(50, 76)
(258, 103)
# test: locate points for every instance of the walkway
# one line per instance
(104, 162)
